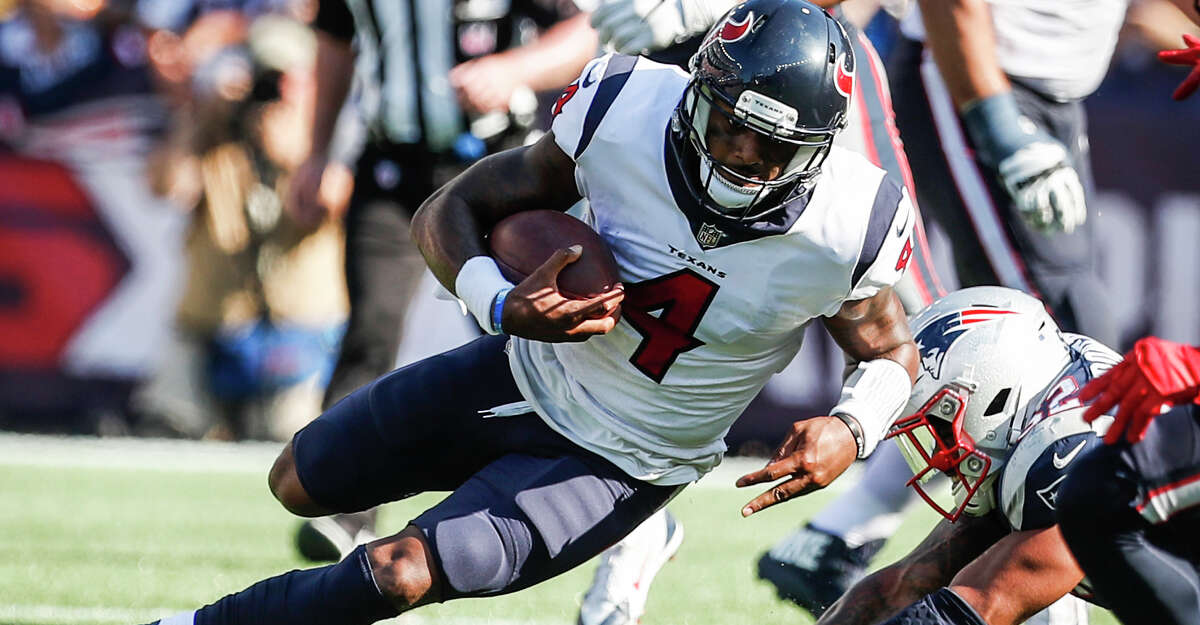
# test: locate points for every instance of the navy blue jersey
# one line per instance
(90, 64)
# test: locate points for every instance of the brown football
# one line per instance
(520, 244)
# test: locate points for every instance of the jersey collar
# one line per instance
(710, 229)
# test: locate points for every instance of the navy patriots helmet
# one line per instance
(783, 69)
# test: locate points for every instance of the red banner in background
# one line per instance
(58, 262)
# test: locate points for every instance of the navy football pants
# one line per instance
(1131, 516)
(527, 504)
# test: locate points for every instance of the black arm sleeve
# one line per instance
(334, 19)
(943, 607)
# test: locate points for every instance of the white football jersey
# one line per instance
(1060, 48)
(711, 309)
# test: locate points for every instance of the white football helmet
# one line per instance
(985, 353)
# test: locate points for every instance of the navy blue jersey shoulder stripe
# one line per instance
(615, 76)
(883, 212)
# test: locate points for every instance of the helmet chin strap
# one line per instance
(723, 191)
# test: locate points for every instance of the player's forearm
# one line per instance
(447, 229)
(333, 72)
(874, 599)
(558, 55)
(1019, 576)
(450, 225)
(876, 328)
(963, 42)
(875, 332)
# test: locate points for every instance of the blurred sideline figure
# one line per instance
(88, 251)
(989, 96)
(441, 84)
(263, 299)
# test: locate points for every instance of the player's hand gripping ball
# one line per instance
(522, 242)
(567, 287)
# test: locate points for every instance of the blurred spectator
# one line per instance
(263, 297)
(88, 254)
(442, 82)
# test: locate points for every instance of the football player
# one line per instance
(734, 223)
(995, 408)
(1129, 511)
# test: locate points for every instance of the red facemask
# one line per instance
(951, 446)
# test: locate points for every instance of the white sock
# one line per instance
(874, 507)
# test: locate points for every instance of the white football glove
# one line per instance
(1044, 187)
(1033, 166)
(640, 26)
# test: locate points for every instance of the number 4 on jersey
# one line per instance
(682, 297)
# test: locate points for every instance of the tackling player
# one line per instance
(734, 223)
(995, 409)
(1130, 511)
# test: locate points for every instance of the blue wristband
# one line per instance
(995, 127)
(498, 309)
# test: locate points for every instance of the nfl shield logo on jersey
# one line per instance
(709, 236)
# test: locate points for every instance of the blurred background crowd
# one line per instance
(171, 265)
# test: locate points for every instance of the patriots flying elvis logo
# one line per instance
(937, 337)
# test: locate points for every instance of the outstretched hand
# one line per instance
(1190, 55)
(1154, 375)
(815, 452)
(536, 310)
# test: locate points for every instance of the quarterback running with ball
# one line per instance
(734, 223)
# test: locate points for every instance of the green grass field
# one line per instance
(96, 531)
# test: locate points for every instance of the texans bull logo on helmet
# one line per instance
(937, 337)
(733, 30)
(844, 78)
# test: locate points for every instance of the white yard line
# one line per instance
(132, 453)
(209, 456)
(57, 614)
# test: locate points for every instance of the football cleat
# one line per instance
(622, 581)
(813, 568)
(330, 538)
